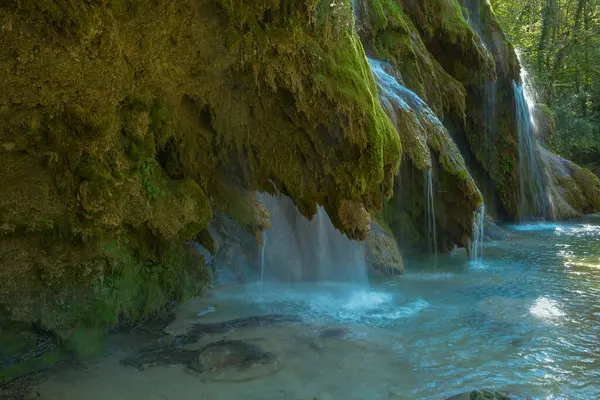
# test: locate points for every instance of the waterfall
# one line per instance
(262, 259)
(431, 229)
(396, 100)
(392, 92)
(356, 9)
(303, 250)
(478, 235)
(534, 199)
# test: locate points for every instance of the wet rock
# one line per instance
(483, 394)
(236, 251)
(493, 231)
(169, 350)
(573, 190)
(383, 255)
(244, 359)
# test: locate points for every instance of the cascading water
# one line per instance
(478, 236)
(534, 198)
(391, 91)
(303, 250)
(396, 98)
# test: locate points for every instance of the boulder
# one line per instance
(247, 360)
(572, 190)
(383, 255)
(493, 232)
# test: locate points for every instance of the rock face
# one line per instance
(130, 128)
(573, 190)
(493, 232)
(125, 126)
(383, 255)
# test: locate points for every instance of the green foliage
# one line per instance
(561, 50)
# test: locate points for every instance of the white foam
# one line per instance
(535, 227)
(366, 300)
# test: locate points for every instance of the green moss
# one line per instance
(150, 181)
(590, 185)
(31, 365)
(129, 287)
(23, 351)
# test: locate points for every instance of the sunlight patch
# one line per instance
(546, 309)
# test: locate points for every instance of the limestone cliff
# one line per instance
(124, 125)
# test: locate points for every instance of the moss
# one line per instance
(24, 351)
(590, 186)
(127, 287)
(130, 128)
(393, 38)
(148, 170)
(31, 365)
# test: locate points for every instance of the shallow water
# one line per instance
(526, 319)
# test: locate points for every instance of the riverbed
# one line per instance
(525, 320)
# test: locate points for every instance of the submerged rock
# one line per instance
(333, 333)
(197, 331)
(483, 394)
(156, 356)
(170, 351)
(240, 356)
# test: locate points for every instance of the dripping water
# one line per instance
(478, 235)
(262, 260)
(431, 227)
(303, 250)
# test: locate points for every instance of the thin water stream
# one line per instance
(526, 319)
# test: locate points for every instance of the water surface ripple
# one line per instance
(526, 320)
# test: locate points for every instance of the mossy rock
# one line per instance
(124, 126)
(383, 255)
(24, 351)
(573, 190)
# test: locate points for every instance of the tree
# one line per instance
(559, 42)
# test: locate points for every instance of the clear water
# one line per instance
(527, 319)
